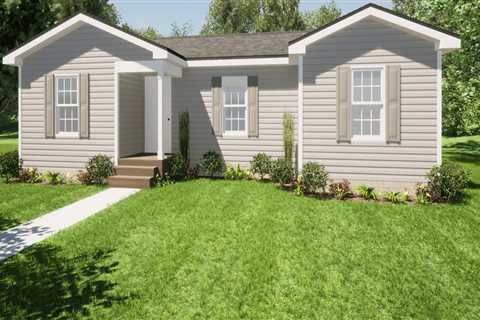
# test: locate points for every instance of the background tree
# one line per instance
(231, 16)
(101, 9)
(461, 68)
(181, 30)
(279, 15)
(316, 18)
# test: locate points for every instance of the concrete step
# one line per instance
(121, 181)
(145, 171)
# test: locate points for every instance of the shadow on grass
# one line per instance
(7, 223)
(468, 151)
(44, 284)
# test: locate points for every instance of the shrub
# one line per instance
(236, 173)
(84, 177)
(282, 172)
(71, 178)
(288, 137)
(176, 166)
(30, 175)
(10, 165)
(212, 163)
(394, 197)
(422, 194)
(447, 182)
(367, 193)
(314, 178)
(53, 177)
(193, 172)
(184, 135)
(340, 190)
(99, 168)
(261, 165)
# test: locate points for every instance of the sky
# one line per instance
(160, 14)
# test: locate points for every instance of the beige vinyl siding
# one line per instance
(86, 49)
(132, 114)
(277, 94)
(372, 43)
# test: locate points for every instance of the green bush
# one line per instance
(447, 182)
(288, 137)
(184, 135)
(282, 172)
(261, 165)
(314, 178)
(367, 193)
(99, 168)
(340, 190)
(10, 165)
(236, 173)
(423, 194)
(212, 163)
(84, 177)
(176, 166)
(29, 175)
(53, 177)
(395, 197)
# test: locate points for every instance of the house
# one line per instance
(365, 92)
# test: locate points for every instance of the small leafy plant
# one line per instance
(422, 194)
(193, 172)
(99, 168)
(212, 163)
(30, 175)
(282, 172)
(236, 173)
(176, 166)
(340, 190)
(314, 178)
(53, 177)
(83, 177)
(447, 182)
(10, 165)
(288, 137)
(261, 165)
(393, 197)
(367, 193)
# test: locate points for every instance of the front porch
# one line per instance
(137, 171)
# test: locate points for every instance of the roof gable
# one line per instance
(444, 40)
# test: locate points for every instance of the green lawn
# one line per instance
(8, 142)
(22, 202)
(246, 250)
(466, 151)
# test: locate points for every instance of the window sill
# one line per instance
(369, 141)
(67, 135)
(235, 135)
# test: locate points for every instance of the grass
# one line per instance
(8, 142)
(466, 151)
(23, 202)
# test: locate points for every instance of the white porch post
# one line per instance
(160, 97)
(300, 115)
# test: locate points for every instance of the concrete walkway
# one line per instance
(20, 237)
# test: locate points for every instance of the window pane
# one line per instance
(376, 94)
(376, 78)
(69, 113)
(74, 84)
(75, 113)
(68, 126)
(241, 125)
(367, 78)
(67, 97)
(376, 128)
(75, 125)
(227, 98)
(234, 125)
(356, 128)
(241, 113)
(356, 112)
(73, 95)
(375, 113)
(235, 98)
(357, 94)
(357, 78)
(62, 125)
(228, 125)
(61, 99)
(67, 84)
(241, 99)
(366, 94)
(60, 84)
(234, 112)
(366, 127)
(228, 112)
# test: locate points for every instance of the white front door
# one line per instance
(151, 107)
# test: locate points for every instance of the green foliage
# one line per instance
(102, 9)
(321, 16)
(447, 182)
(212, 163)
(231, 16)
(176, 166)
(367, 193)
(340, 190)
(29, 175)
(279, 15)
(99, 168)
(10, 165)
(314, 178)
(53, 177)
(184, 135)
(282, 171)
(236, 173)
(149, 33)
(181, 30)
(461, 68)
(422, 194)
(288, 137)
(84, 177)
(394, 197)
(261, 165)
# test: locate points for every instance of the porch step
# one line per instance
(140, 162)
(123, 181)
(124, 170)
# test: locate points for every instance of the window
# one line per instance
(235, 105)
(367, 104)
(67, 104)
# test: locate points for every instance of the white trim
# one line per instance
(117, 117)
(160, 99)
(68, 134)
(439, 107)
(19, 111)
(443, 41)
(239, 62)
(235, 83)
(15, 57)
(149, 66)
(300, 115)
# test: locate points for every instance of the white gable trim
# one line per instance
(237, 62)
(443, 41)
(16, 57)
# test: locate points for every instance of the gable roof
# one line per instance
(444, 40)
(238, 45)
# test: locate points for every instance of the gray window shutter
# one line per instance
(344, 104)
(49, 106)
(84, 105)
(392, 105)
(253, 106)
(217, 106)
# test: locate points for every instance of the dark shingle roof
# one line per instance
(266, 44)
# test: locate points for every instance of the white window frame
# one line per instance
(234, 83)
(59, 133)
(364, 138)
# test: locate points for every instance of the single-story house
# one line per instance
(365, 92)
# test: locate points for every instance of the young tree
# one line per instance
(321, 16)
(231, 16)
(181, 30)
(461, 68)
(279, 15)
